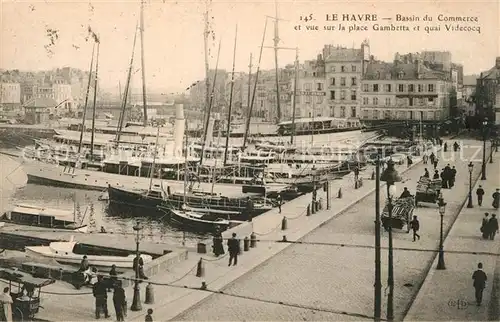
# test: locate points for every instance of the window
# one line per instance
(342, 69)
(430, 115)
(353, 111)
(375, 87)
(332, 81)
(261, 103)
(365, 114)
(401, 88)
(365, 100)
(332, 69)
(353, 68)
(430, 88)
(420, 88)
(401, 74)
(342, 95)
(353, 96)
(387, 114)
(319, 86)
(375, 114)
(430, 101)
(307, 86)
(319, 99)
(410, 88)
(375, 101)
(342, 111)
(354, 81)
(307, 99)
(388, 88)
(365, 87)
(332, 111)
(332, 95)
(410, 101)
(342, 81)
(387, 101)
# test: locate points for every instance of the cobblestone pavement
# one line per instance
(327, 278)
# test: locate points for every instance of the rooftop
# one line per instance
(42, 102)
(382, 70)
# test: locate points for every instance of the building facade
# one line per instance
(311, 89)
(344, 68)
(487, 95)
(10, 93)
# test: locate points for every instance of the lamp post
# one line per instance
(483, 166)
(136, 302)
(470, 167)
(390, 176)
(377, 311)
(492, 147)
(314, 192)
(442, 209)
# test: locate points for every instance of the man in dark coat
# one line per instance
(279, 201)
(426, 173)
(447, 173)
(480, 194)
(445, 147)
(138, 266)
(444, 180)
(493, 226)
(479, 277)
(432, 158)
(233, 246)
(485, 225)
(453, 175)
(249, 209)
(119, 301)
(415, 226)
(456, 146)
(436, 175)
(101, 298)
(405, 193)
(436, 161)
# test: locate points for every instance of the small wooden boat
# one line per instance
(66, 253)
(197, 221)
(206, 210)
(23, 214)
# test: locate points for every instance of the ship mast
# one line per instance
(228, 128)
(247, 126)
(206, 34)
(143, 69)
(276, 42)
(294, 103)
(86, 100)
(95, 99)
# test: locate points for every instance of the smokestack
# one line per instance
(179, 128)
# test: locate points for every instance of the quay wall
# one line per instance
(22, 135)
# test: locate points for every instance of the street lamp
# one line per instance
(442, 209)
(483, 166)
(390, 176)
(470, 167)
(136, 302)
(492, 147)
(377, 311)
(313, 205)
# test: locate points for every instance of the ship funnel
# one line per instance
(179, 129)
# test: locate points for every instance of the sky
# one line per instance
(173, 37)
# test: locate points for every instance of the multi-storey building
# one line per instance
(404, 90)
(240, 93)
(197, 91)
(311, 89)
(488, 94)
(344, 69)
(266, 103)
(10, 93)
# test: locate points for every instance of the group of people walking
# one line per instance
(448, 175)
(489, 226)
(233, 247)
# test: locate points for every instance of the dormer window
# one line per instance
(401, 74)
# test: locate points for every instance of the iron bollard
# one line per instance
(284, 223)
(246, 243)
(200, 270)
(325, 186)
(150, 296)
(284, 240)
(308, 212)
(253, 240)
(339, 195)
(373, 175)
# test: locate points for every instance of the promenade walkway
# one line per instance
(329, 276)
(448, 295)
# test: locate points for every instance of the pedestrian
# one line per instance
(432, 158)
(279, 201)
(425, 158)
(444, 180)
(479, 277)
(453, 175)
(496, 198)
(445, 147)
(415, 226)
(436, 174)
(409, 161)
(436, 161)
(249, 209)
(112, 277)
(138, 266)
(218, 246)
(149, 316)
(456, 146)
(233, 247)
(405, 193)
(6, 301)
(447, 173)
(356, 173)
(119, 301)
(101, 298)
(485, 226)
(426, 173)
(492, 226)
(480, 194)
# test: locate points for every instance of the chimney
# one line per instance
(497, 62)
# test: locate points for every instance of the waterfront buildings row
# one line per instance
(350, 83)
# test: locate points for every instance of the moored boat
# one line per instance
(68, 253)
(195, 220)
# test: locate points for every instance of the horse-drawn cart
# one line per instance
(428, 190)
(402, 212)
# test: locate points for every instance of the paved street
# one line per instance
(325, 279)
